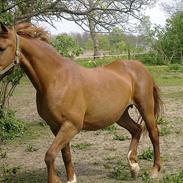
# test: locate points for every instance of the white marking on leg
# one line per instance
(74, 180)
(134, 166)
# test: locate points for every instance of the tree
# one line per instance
(66, 45)
(116, 40)
(172, 38)
(173, 7)
(108, 14)
(91, 15)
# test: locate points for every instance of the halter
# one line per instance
(16, 61)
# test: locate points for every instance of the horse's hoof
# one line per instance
(134, 169)
(74, 180)
(134, 166)
(153, 173)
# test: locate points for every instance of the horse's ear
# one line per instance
(3, 28)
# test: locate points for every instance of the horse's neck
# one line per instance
(40, 62)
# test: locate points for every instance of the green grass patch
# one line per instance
(164, 130)
(110, 129)
(121, 171)
(120, 137)
(81, 146)
(162, 121)
(30, 148)
(164, 76)
(175, 178)
(147, 155)
(174, 95)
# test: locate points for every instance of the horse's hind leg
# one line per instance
(135, 130)
(146, 108)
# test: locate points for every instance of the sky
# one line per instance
(157, 16)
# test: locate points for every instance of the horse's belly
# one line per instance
(101, 119)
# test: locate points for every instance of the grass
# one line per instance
(147, 154)
(164, 124)
(3, 154)
(162, 121)
(120, 137)
(81, 146)
(175, 178)
(120, 171)
(165, 130)
(30, 148)
(111, 129)
(164, 76)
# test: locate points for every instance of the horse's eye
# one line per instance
(2, 49)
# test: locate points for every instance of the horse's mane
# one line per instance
(31, 31)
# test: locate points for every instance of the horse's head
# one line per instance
(8, 50)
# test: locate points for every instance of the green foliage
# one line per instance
(66, 45)
(150, 58)
(162, 121)
(8, 171)
(3, 154)
(171, 39)
(175, 67)
(10, 127)
(103, 40)
(81, 146)
(8, 85)
(116, 41)
(165, 130)
(176, 178)
(120, 171)
(30, 148)
(147, 155)
(98, 62)
(5, 17)
(120, 137)
(15, 76)
(110, 129)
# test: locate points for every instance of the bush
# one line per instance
(175, 67)
(66, 46)
(10, 127)
(150, 58)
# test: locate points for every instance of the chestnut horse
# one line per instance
(71, 98)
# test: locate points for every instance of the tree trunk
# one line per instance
(129, 52)
(94, 39)
(92, 26)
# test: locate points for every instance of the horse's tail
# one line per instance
(157, 101)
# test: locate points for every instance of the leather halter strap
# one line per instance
(16, 60)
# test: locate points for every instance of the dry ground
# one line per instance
(96, 155)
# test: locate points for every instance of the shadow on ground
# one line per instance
(40, 175)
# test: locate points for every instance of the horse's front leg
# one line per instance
(66, 154)
(66, 132)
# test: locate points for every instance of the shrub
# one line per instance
(150, 58)
(66, 45)
(10, 127)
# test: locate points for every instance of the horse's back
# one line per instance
(141, 79)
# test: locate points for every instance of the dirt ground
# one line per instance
(96, 155)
